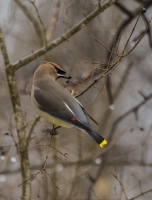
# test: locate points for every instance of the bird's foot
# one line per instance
(53, 131)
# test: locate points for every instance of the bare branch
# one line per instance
(32, 19)
(88, 162)
(111, 135)
(103, 45)
(25, 166)
(62, 38)
(111, 68)
(132, 31)
(53, 22)
(31, 130)
(3, 49)
(126, 22)
(41, 22)
(141, 194)
(122, 117)
(122, 187)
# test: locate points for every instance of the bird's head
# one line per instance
(52, 69)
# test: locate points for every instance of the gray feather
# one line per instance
(52, 98)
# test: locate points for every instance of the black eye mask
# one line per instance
(59, 71)
(62, 74)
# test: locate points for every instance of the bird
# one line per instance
(55, 103)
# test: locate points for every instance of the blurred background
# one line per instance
(121, 103)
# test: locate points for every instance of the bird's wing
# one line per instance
(86, 113)
(60, 108)
(52, 105)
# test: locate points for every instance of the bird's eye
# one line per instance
(59, 71)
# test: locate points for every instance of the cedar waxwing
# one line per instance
(54, 103)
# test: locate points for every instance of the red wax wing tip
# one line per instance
(73, 119)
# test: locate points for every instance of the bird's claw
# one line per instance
(52, 132)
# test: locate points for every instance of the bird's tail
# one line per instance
(98, 138)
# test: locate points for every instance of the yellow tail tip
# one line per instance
(103, 143)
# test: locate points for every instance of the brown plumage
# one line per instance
(54, 102)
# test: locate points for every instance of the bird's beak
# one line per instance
(64, 75)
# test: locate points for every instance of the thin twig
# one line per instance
(148, 32)
(53, 22)
(84, 163)
(41, 22)
(63, 154)
(32, 19)
(141, 194)
(110, 69)
(123, 116)
(43, 167)
(103, 45)
(132, 32)
(115, 176)
(62, 38)
(31, 130)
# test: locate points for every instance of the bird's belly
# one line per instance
(48, 117)
(52, 119)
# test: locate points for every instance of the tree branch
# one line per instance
(126, 22)
(62, 38)
(139, 195)
(25, 166)
(111, 135)
(122, 117)
(120, 162)
(40, 20)
(114, 65)
(31, 130)
(32, 19)
(3, 49)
